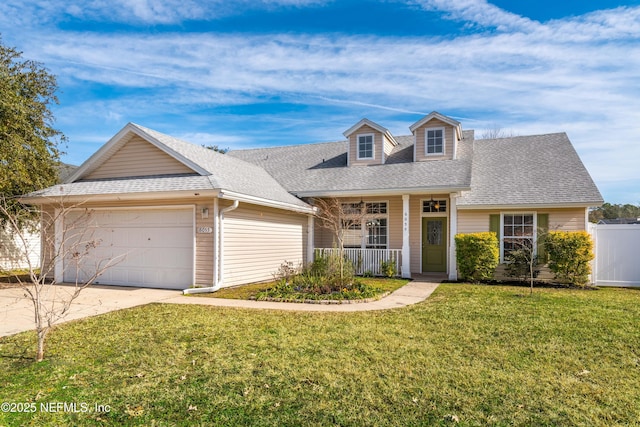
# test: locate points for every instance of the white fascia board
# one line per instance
(382, 192)
(266, 202)
(363, 122)
(442, 118)
(526, 206)
(91, 198)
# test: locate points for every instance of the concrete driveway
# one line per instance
(16, 310)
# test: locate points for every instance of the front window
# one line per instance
(369, 230)
(365, 146)
(376, 233)
(434, 144)
(517, 232)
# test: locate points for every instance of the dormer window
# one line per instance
(434, 141)
(365, 147)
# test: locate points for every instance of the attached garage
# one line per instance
(153, 247)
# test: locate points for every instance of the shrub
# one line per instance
(388, 268)
(570, 254)
(478, 255)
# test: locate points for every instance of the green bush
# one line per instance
(570, 254)
(478, 255)
(388, 268)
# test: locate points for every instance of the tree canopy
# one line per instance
(29, 153)
(612, 211)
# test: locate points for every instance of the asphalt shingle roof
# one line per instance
(528, 170)
(525, 170)
(225, 173)
(322, 168)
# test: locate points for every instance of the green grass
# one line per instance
(486, 355)
(248, 291)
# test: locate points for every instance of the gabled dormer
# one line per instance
(436, 137)
(369, 143)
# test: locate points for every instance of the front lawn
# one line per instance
(469, 355)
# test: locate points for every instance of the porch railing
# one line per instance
(367, 261)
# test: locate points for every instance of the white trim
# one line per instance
(442, 118)
(437, 199)
(531, 206)
(363, 225)
(373, 146)
(118, 197)
(265, 202)
(216, 241)
(381, 192)
(453, 230)
(347, 133)
(406, 245)
(501, 231)
(444, 141)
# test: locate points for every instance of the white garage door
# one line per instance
(152, 248)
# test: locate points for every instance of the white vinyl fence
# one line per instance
(617, 250)
(13, 254)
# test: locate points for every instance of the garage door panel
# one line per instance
(156, 246)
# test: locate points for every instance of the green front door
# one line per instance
(434, 245)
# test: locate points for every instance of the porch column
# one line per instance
(453, 230)
(406, 248)
(310, 241)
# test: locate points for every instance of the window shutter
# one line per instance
(494, 224)
(543, 227)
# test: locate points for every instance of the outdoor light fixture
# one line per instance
(205, 212)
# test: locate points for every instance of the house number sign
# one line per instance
(205, 230)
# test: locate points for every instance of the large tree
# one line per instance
(29, 153)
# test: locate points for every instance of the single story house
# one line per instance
(186, 216)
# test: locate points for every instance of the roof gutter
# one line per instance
(218, 277)
(266, 202)
(90, 198)
(381, 192)
(531, 206)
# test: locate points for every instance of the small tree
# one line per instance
(72, 249)
(525, 257)
(339, 216)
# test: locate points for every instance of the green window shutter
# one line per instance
(543, 227)
(494, 224)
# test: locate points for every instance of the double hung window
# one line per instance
(434, 141)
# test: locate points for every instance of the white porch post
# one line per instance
(453, 230)
(58, 250)
(406, 248)
(310, 237)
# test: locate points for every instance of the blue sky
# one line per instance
(252, 73)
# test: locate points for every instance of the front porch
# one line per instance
(415, 233)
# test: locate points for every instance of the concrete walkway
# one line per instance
(16, 311)
(412, 293)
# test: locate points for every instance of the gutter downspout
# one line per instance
(218, 268)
